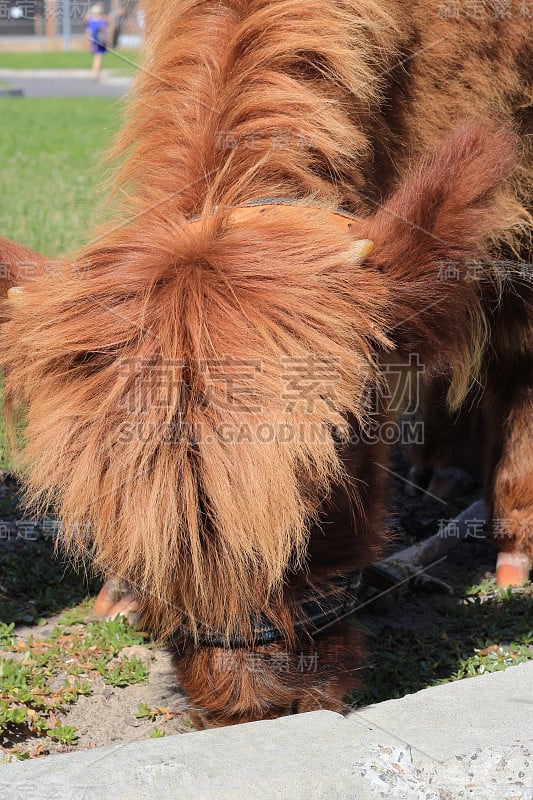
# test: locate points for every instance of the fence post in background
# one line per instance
(50, 18)
(67, 37)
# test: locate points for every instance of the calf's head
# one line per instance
(185, 386)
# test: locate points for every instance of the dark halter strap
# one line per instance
(314, 610)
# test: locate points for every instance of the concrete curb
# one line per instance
(470, 739)
(108, 77)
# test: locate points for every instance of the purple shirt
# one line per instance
(97, 34)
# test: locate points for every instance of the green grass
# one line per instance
(124, 60)
(487, 630)
(37, 583)
(49, 155)
(43, 675)
(50, 151)
(48, 671)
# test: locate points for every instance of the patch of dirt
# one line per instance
(108, 716)
(118, 706)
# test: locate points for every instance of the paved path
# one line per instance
(469, 740)
(64, 83)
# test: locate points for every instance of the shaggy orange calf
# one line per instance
(197, 381)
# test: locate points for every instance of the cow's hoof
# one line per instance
(512, 569)
(116, 599)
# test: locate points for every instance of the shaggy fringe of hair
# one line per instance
(234, 676)
(205, 529)
(142, 480)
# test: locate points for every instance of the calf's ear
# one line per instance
(429, 236)
(18, 265)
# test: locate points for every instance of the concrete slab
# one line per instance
(64, 83)
(470, 739)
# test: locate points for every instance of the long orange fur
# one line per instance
(237, 101)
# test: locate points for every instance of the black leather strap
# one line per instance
(315, 609)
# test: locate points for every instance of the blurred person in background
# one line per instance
(97, 31)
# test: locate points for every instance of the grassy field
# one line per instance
(50, 151)
(121, 59)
